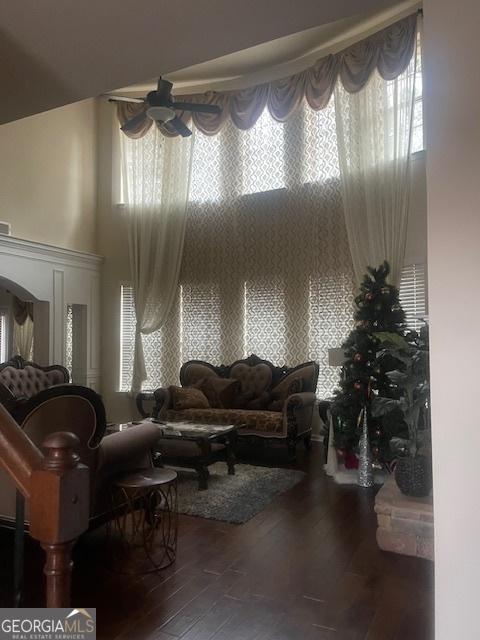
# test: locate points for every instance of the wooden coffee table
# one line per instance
(197, 446)
(191, 445)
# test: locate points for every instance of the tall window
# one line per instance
(264, 324)
(265, 141)
(127, 336)
(266, 265)
(418, 138)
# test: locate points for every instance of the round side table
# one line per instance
(145, 520)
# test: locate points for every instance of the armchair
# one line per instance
(80, 410)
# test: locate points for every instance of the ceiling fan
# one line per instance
(161, 108)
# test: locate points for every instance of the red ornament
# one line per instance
(351, 460)
(375, 451)
(358, 357)
(358, 386)
(370, 297)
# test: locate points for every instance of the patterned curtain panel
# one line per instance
(266, 265)
(374, 132)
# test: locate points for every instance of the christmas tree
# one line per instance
(378, 317)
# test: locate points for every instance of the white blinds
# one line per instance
(265, 326)
(69, 341)
(3, 338)
(162, 349)
(127, 336)
(413, 294)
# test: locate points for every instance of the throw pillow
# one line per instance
(282, 392)
(221, 392)
(260, 403)
(242, 399)
(187, 398)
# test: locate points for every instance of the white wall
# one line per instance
(452, 55)
(48, 176)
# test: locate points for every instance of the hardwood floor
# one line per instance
(306, 568)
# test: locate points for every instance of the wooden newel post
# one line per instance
(59, 511)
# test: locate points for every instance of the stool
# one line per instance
(144, 505)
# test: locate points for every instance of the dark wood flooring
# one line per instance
(306, 568)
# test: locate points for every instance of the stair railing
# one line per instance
(56, 486)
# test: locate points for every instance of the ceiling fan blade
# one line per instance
(125, 99)
(180, 127)
(130, 125)
(196, 106)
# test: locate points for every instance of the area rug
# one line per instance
(235, 498)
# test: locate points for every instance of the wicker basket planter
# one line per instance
(413, 475)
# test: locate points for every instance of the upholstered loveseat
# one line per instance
(266, 401)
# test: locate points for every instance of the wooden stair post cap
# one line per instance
(60, 450)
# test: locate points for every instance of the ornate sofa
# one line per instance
(267, 401)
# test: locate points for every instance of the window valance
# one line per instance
(389, 51)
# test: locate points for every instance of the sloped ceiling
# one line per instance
(54, 52)
(277, 58)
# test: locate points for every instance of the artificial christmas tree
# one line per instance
(378, 316)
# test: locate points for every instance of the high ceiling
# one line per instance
(277, 58)
(55, 52)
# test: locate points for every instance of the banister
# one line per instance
(18, 455)
(57, 487)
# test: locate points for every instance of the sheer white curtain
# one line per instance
(266, 266)
(156, 178)
(374, 132)
(275, 215)
(23, 338)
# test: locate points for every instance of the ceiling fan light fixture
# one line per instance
(160, 106)
(161, 114)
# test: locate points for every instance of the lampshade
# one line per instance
(336, 357)
(162, 114)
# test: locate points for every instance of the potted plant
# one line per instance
(413, 471)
